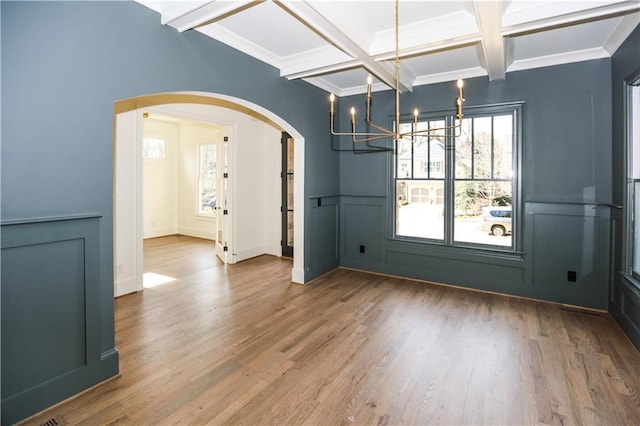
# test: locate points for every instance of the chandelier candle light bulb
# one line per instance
(369, 83)
(460, 99)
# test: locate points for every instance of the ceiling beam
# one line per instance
(304, 12)
(206, 13)
(310, 69)
(489, 17)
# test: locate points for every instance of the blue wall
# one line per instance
(566, 190)
(64, 64)
(624, 300)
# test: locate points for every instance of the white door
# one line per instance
(223, 204)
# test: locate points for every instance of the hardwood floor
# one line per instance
(242, 345)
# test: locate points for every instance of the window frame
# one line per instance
(514, 108)
(631, 222)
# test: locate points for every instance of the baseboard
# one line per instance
(155, 233)
(48, 395)
(197, 233)
(125, 286)
(297, 276)
(109, 365)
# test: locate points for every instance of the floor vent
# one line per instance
(54, 421)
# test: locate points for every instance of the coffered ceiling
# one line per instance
(335, 44)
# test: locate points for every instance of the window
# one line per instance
(207, 179)
(633, 205)
(460, 190)
(153, 148)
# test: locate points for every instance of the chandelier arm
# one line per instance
(372, 135)
(428, 131)
(368, 139)
(436, 136)
(382, 129)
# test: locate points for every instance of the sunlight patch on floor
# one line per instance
(151, 279)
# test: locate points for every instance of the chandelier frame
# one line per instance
(383, 132)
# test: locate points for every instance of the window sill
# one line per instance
(470, 253)
(633, 281)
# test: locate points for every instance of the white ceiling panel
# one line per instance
(568, 39)
(274, 29)
(524, 11)
(446, 61)
(350, 81)
(336, 44)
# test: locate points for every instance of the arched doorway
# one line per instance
(127, 168)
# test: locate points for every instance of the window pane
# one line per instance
(207, 179)
(436, 152)
(482, 148)
(289, 192)
(463, 150)
(290, 229)
(153, 148)
(420, 155)
(404, 159)
(290, 155)
(420, 208)
(478, 217)
(503, 146)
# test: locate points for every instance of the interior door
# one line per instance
(222, 202)
(287, 195)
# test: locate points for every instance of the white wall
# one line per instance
(160, 187)
(257, 190)
(272, 189)
(189, 221)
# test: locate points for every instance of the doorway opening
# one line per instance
(183, 192)
(128, 222)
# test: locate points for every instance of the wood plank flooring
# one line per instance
(240, 344)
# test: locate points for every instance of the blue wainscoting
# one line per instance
(322, 244)
(565, 256)
(568, 248)
(50, 313)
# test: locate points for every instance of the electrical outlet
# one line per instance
(571, 276)
(361, 249)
